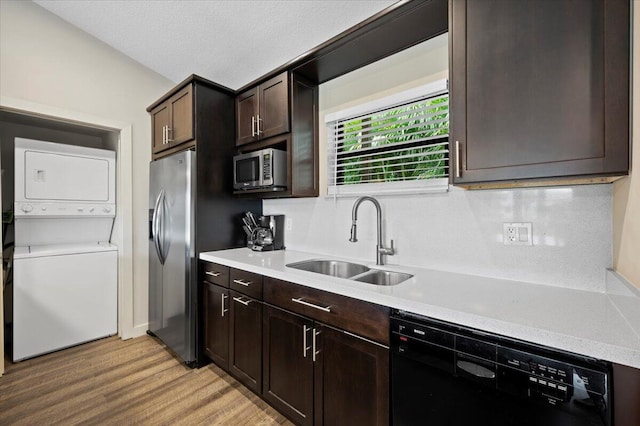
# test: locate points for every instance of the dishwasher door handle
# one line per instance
(476, 370)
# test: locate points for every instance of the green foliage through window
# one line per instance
(407, 142)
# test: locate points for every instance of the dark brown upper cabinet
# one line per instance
(263, 111)
(539, 91)
(197, 114)
(282, 113)
(172, 121)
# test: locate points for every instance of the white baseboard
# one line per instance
(136, 331)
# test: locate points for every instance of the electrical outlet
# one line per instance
(288, 224)
(517, 234)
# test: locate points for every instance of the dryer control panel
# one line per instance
(53, 209)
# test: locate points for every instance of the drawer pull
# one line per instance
(213, 274)
(311, 305)
(246, 284)
(244, 302)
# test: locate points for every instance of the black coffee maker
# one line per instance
(268, 235)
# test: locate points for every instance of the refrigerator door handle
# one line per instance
(155, 226)
(165, 220)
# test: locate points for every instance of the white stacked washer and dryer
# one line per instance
(65, 268)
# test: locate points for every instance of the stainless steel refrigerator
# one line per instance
(184, 220)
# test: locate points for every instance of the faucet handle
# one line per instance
(388, 251)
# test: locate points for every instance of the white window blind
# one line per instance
(398, 144)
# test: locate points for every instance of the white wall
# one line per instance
(626, 196)
(46, 61)
(460, 230)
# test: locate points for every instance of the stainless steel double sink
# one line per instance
(352, 271)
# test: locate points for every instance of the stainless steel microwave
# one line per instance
(266, 168)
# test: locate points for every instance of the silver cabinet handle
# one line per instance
(213, 274)
(305, 348)
(244, 302)
(311, 305)
(253, 125)
(314, 353)
(166, 134)
(223, 297)
(457, 158)
(258, 120)
(163, 134)
(244, 283)
(169, 130)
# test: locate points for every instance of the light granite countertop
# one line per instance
(600, 325)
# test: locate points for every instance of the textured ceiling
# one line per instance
(229, 42)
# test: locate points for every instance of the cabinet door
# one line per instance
(182, 122)
(159, 125)
(274, 106)
(288, 364)
(245, 341)
(246, 116)
(539, 89)
(216, 324)
(626, 394)
(351, 379)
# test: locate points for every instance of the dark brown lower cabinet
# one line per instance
(216, 323)
(245, 340)
(288, 364)
(626, 395)
(316, 374)
(351, 379)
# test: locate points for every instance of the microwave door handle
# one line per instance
(155, 227)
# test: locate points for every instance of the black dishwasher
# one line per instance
(444, 374)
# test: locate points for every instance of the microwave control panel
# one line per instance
(266, 166)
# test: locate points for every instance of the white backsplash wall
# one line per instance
(461, 231)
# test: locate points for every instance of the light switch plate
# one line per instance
(517, 234)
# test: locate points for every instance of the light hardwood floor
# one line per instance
(137, 381)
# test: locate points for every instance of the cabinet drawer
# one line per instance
(356, 316)
(246, 282)
(215, 274)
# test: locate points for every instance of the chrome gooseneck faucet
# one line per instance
(380, 249)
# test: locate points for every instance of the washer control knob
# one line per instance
(80, 209)
(43, 208)
(107, 209)
(27, 208)
(91, 209)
